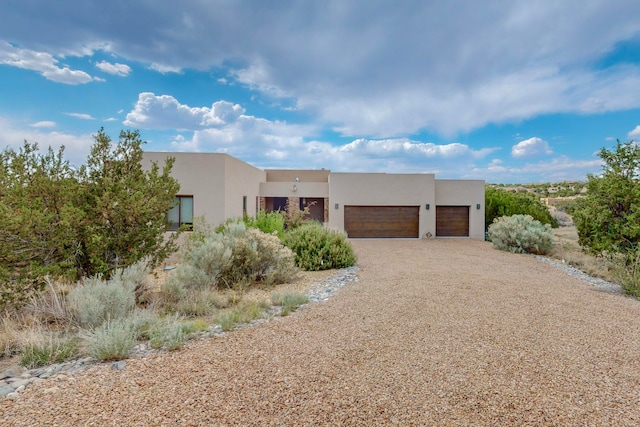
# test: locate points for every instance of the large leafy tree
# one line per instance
(608, 218)
(61, 221)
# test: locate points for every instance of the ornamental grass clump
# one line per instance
(289, 301)
(168, 332)
(57, 350)
(115, 339)
(521, 234)
(41, 346)
(242, 313)
(319, 248)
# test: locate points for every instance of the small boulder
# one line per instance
(14, 371)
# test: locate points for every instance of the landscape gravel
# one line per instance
(432, 332)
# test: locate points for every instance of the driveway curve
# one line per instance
(434, 332)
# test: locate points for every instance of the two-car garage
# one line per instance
(382, 221)
(403, 221)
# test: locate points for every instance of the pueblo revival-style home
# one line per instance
(365, 205)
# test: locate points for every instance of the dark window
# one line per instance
(181, 213)
(244, 205)
(280, 204)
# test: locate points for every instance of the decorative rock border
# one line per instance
(601, 284)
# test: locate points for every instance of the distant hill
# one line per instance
(546, 190)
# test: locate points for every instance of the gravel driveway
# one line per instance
(434, 332)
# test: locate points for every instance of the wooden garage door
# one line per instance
(452, 221)
(381, 221)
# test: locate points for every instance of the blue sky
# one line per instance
(505, 91)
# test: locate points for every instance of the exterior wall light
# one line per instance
(478, 206)
(427, 206)
(294, 188)
(337, 206)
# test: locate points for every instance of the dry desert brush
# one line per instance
(521, 234)
(236, 256)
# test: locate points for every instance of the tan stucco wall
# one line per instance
(241, 179)
(379, 189)
(455, 192)
(302, 189)
(290, 175)
(216, 181)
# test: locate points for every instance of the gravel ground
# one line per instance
(434, 332)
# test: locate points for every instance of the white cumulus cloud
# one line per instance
(635, 133)
(42, 62)
(166, 112)
(531, 147)
(117, 69)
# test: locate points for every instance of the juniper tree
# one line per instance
(61, 221)
(608, 218)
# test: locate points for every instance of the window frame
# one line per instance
(175, 226)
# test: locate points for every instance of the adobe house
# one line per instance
(380, 205)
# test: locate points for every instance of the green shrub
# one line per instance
(608, 217)
(289, 301)
(521, 234)
(95, 301)
(268, 223)
(274, 263)
(500, 203)
(318, 248)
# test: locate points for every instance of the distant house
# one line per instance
(365, 205)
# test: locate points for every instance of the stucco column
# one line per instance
(326, 209)
(293, 204)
